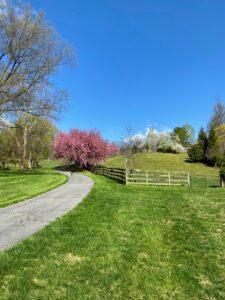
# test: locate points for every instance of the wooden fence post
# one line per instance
(169, 177)
(146, 177)
(189, 182)
(126, 176)
(222, 181)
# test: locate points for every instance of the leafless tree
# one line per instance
(218, 116)
(127, 147)
(30, 52)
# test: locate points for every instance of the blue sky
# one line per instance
(140, 62)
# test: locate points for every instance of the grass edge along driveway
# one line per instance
(125, 242)
(17, 186)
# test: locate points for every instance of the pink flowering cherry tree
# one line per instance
(83, 148)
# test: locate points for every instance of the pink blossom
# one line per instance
(84, 148)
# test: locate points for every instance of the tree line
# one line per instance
(210, 145)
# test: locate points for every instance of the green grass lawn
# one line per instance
(16, 186)
(162, 161)
(125, 242)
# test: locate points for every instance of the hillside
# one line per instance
(162, 161)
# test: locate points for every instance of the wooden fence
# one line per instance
(172, 178)
(115, 173)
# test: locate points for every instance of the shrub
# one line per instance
(222, 173)
(196, 152)
(166, 150)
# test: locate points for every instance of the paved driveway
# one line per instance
(19, 221)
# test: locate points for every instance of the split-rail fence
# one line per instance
(148, 177)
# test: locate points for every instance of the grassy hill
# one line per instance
(162, 161)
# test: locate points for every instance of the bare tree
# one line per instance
(218, 116)
(127, 147)
(30, 51)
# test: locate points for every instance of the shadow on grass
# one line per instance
(69, 168)
(24, 173)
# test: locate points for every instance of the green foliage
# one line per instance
(222, 173)
(202, 139)
(125, 242)
(185, 134)
(29, 141)
(212, 149)
(196, 152)
(7, 150)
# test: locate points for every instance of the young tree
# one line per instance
(211, 152)
(196, 152)
(220, 134)
(202, 139)
(152, 140)
(127, 147)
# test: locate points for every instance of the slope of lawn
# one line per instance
(16, 186)
(124, 242)
(162, 161)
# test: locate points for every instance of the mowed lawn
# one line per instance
(162, 161)
(125, 242)
(16, 186)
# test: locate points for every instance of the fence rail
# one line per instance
(148, 177)
(115, 173)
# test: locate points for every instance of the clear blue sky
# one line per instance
(140, 61)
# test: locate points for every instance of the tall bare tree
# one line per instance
(218, 116)
(30, 52)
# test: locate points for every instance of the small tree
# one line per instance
(127, 147)
(152, 140)
(202, 139)
(196, 152)
(212, 149)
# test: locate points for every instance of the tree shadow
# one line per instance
(69, 168)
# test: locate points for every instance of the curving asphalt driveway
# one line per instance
(19, 221)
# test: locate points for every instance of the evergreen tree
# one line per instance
(203, 140)
(211, 152)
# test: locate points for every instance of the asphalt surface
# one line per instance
(21, 220)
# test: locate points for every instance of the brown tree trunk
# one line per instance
(23, 150)
(30, 161)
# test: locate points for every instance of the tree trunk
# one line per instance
(222, 181)
(23, 150)
(30, 161)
